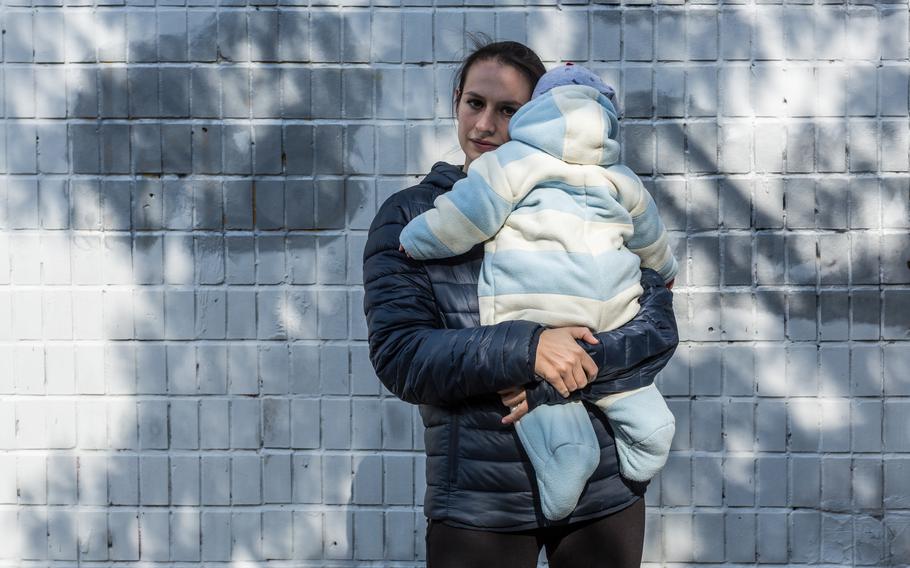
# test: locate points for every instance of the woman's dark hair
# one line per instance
(511, 53)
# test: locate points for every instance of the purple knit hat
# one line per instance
(571, 74)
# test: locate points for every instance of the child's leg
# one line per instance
(644, 428)
(564, 451)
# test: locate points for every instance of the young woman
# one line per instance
(472, 382)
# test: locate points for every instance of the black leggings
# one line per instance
(614, 541)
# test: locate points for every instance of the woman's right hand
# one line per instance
(562, 362)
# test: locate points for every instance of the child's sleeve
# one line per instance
(649, 238)
(471, 213)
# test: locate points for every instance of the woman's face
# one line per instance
(492, 93)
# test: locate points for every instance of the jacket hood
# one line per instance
(574, 123)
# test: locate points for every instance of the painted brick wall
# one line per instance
(186, 191)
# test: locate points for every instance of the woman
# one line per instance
(473, 382)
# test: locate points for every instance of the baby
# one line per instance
(566, 229)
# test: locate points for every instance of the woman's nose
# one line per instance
(486, 122)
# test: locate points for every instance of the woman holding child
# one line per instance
(474, 382)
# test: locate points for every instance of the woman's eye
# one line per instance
(475, 104)
(509, 111)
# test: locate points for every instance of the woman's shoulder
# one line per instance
(399, 208)
(416, 196)
(404, 205)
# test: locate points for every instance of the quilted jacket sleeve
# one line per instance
(414, 356)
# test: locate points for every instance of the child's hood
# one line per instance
(574, 123)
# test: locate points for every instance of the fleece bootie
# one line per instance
(643, 426)
(563, 448)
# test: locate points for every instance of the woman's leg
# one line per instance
(451, 547)
(614, 541)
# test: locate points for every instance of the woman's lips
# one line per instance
(483, 146)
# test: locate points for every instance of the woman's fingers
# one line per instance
(561, 362)
(514, 399)
(516, 413)
(589, 366)
(560, 385)
(401, 249)
(578, 375)
(570, 377)
(585, 334)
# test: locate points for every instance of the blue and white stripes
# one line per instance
(565, 227)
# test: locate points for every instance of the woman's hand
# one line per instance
(516, 398)
(560, 360)
(401, 249)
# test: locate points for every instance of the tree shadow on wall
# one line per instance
(766, 241)
(207, 203)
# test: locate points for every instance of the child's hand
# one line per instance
(401, 249)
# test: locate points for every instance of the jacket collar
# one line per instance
(444, 175)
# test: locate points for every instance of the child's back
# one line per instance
(563, 257)
(566, 227)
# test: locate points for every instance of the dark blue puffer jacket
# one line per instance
(428, 348)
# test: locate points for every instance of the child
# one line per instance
(566, 229)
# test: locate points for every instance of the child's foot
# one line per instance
(643, 426)
(564, 451)
(642, 460)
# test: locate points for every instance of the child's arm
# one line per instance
(649, 239)
(472, 212)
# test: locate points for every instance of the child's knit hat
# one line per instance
(571, 74)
